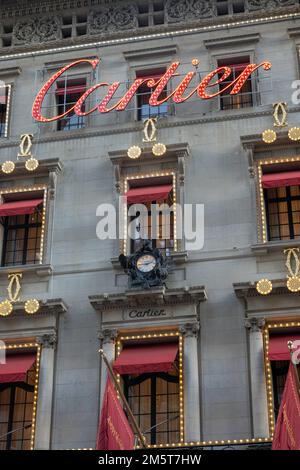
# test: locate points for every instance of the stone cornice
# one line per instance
(261, 249)
(174, 151)
(229, 41)
(255, 142)
(166, 124)
(47, 166)
(244, 290)
(157, 296)
(48, 307)
(42, 271)
(182, 27)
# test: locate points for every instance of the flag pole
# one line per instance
(125, 402)
(290, 346)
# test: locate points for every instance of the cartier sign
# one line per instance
(157, 85)
(147, 313)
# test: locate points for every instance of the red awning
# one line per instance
(146, 358)
(278, 180)
(16, 367)
(148, 194)
(278, 348)
(19, 207)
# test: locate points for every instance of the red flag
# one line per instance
(287, 430)
(114, 432)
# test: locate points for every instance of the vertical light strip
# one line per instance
(262, 206)
(125, 220)
(269, 384)
(43, 227)
(7, 114)
(181, 390)
(35, 396)
(175, 210)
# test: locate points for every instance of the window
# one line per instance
(154, 400)
(283, 212)
(279, 374)
(4, 109)
(245, 97)
(16, 412)
(68, 92)
(146, 111)
(22, 233)
(157, 226)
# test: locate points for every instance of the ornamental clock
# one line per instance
(147, 267)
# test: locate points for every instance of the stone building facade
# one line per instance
(227, 387)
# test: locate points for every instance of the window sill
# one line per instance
(275, 246)
(40, 270)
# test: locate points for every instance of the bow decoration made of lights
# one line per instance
(280, 120)
(31, 306)
(150, 136)
(31, 163)
(264, 286)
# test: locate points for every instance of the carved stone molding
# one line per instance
(158, 296)
(254, 5)
(47, 340)
(107, 335)
(190, 330)
(185, 10)
(254, 324)
(119, 18)
(36, 30)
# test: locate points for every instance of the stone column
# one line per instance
(108, 339)
(257, 376)
(45, 392)
(190, 332)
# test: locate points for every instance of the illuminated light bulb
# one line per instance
(264, 286)
(134, 152)
(293, 284)
(269, 136)
(159, 150)
(31, 164)
(294, 133)
(6, 308)
(31, 306)
(8, 167)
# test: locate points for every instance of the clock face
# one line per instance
(146, 263)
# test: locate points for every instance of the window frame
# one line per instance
(154, 336)
(125, 245)
(27, 190)
(262, 225)
(29, 347)
(288, 200)
(83, 120)
(128, 381)
(273, 326)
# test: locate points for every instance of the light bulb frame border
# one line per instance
(122, 338)
(38, 347)
(25, 189)
(124, 242)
